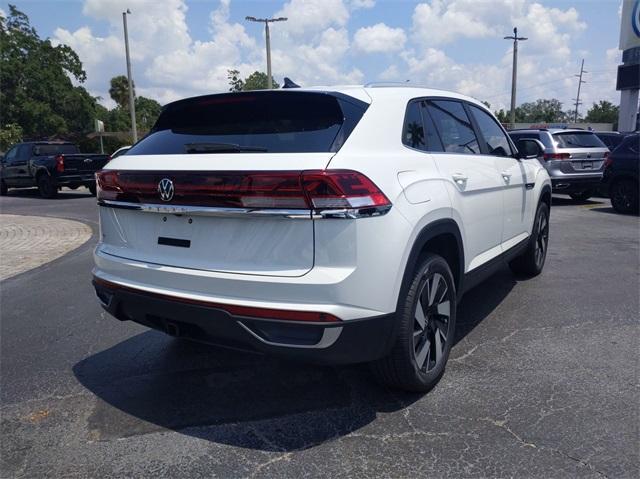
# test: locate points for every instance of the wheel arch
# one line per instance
(442, 237)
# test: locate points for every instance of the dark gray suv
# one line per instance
(574, 159)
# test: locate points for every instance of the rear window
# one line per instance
(50, 150)
(254, 122)
(578, 140)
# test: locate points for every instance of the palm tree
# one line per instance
(119, 91)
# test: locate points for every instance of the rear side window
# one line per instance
(496, 138)
(419, 131)
(578, 140)
(50, 150)
(260, 122)
(453, 124)
(413, 130)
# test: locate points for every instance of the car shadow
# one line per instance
(566, 201)
(65, 194)
(151, 382)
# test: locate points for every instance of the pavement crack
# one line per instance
(502, 424)
(465, 355)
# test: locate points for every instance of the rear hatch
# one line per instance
(84, 163)
(586, 152)
(216, 185)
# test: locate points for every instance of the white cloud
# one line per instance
(3, 13)
(357, 4)
(308, 17)
(379, 38)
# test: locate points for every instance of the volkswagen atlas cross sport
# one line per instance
(332, 225)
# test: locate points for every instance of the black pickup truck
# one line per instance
(49, 166)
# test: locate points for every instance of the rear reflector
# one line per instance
(309, 189)
(234, 310)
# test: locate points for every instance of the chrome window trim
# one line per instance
(298, 214)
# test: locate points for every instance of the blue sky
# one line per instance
(183, 48)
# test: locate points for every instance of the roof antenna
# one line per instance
(288, 83)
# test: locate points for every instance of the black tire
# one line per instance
(582, 195)
(92, 189)
(418, 357)
(47, 186)
(624, 196)
(531, 262)
(3, 188)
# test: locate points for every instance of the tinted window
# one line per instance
(454, 126)
(274, 122)
(496, 139)
(578, 140)
(612, 141)
(419, 131)
(11, 154)
(50, 150)
(413, 130)
(630, 145)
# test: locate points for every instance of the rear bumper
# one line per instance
(339, 342)
(576, 184)
(82, 179)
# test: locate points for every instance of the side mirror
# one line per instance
(529, 148)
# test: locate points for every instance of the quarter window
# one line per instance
(413, 130)
(496, 139)
(454, 126)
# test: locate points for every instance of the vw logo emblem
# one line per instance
(165, 188)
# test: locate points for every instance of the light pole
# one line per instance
(266, 22)
(132, 106)
(580, 82)
(514, 73)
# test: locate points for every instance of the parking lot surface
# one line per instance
(542, 381)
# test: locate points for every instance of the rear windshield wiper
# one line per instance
(221, 148)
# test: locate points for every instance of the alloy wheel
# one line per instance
(431, 322)
(542, 238)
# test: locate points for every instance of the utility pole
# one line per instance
(580, 82)
(266, 22)
(514, 73)
(132, 106)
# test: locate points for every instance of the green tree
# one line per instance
(10, 134)
(255, 81)
(36, 89)
(119, 91)
(147, 112)
(502, 116)
(603, 112)
(541, 110)
(235, 82)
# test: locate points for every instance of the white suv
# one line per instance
(334, 225)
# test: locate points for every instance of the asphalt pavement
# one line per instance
(542, 382)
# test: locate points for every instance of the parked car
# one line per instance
(120, 151)
(573, 158)
(610, 138)
(620, 180)
(330, 225)
(49, 165)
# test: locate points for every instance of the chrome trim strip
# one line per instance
(302, 214)
(207, 210)
(329, 336)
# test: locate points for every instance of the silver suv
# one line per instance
(574, 159)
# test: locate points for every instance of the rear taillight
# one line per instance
(557, 156)
(607, 159)
(60, 163)
(323, 191)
